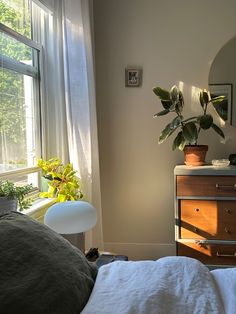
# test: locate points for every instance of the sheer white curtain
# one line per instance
(70, 123)
(47, 30)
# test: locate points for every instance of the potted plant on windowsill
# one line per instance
(62, 182)
(189, 128)
(13, 196)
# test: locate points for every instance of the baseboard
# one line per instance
(141, 251)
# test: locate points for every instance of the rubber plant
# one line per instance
(188, 128)
(63, 184)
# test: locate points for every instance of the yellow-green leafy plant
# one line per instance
(63, 184)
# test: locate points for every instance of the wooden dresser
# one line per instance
(205, 213)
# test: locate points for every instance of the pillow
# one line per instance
(40, 271)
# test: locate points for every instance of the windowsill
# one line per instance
(38, 205)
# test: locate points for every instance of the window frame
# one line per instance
(34, 71)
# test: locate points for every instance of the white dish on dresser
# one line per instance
(220, 163)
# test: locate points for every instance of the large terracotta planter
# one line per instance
(195, 154)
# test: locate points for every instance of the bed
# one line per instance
(42, 273)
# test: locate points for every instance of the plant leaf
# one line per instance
(205, 97)
(181, 97)
(179, 141)
(180, 104)
(61, 197)
(43, 194)
(174, 94)
(176, 122)
(201, 99)
(205, 121)
(217, 100)
(218, 130)
(221, 109)
(168, 130)
(190, 132)
(161, 93)
(161, 113)
(166, 103)
(172, 107)
(182, 144)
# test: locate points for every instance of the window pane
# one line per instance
(14, 49)
(16, 15)
(17, 120)
(23, 179)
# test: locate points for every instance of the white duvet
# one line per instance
(177, 285)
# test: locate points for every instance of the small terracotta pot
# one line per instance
(195, 154)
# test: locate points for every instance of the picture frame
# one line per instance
(133, 77)
(224, 109)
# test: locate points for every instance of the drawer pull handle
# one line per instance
(226, 187)
(195, 229)
(227, 230)
(225, 255)
(228, 211)
(196, 209)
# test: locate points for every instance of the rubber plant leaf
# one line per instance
(166, 103)
(205, 121)
(176, 122)
(205, 97)
(180, 104)
(168, 130)
(190, 132)
(218, 130)
(201, 99)
(222, 110)
(181, 97)
(174, 94)
(178, 141)
(182, 144)
(161, 113)
(217, 100)
(161, 93)
(173, 107)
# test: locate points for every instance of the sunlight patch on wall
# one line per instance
(195, 94)
(181, 86)
(191, 97)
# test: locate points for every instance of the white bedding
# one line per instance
(168, 285)
(226, 283)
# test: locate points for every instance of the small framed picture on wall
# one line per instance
(133, 77)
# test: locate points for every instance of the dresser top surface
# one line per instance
(207, 170)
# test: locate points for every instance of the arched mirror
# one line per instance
(222, 80)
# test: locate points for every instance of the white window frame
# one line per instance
(34, 72)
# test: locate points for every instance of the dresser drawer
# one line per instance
(201, 219)
(206, 186)
(212, 254)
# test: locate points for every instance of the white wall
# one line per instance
(173, 41)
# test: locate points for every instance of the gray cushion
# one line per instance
(40, 271)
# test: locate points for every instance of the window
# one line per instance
(16, 14)
(19, 93)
